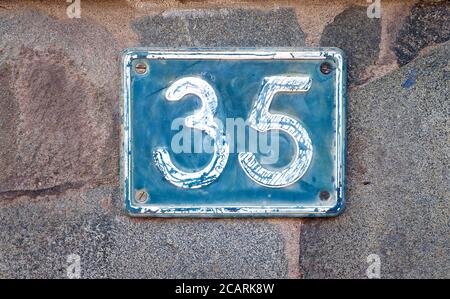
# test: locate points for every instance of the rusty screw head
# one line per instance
(324, 195)
(141, 196)
(326, 68)
(141, 68)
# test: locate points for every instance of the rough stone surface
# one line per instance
(38, 236)
(359, 36)
(58, 104)
(428, 24)
(398, 180)
(221, 28)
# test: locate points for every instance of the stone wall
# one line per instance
(59, 137)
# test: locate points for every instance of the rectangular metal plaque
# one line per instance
(233, 132)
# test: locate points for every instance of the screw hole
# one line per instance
(141, 196)
(141, 68)
(324, 195)
(326, 68)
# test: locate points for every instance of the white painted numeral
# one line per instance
(262, 120)
(202, 120)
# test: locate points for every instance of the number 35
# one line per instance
(260, 119)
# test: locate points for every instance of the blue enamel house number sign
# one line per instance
(233, 132)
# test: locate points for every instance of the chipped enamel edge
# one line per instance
(150, 210)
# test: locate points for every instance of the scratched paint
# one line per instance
(237, 77)
(202, 120)
(261, 119)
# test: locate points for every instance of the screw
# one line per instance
(140, 68)
(141, 196)
(326, 68)
(324, 195)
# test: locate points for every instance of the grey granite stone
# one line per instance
(398, 180)
(359, 36)
(428, 24)
(221, 28)
(59, 98)
(36, 237)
